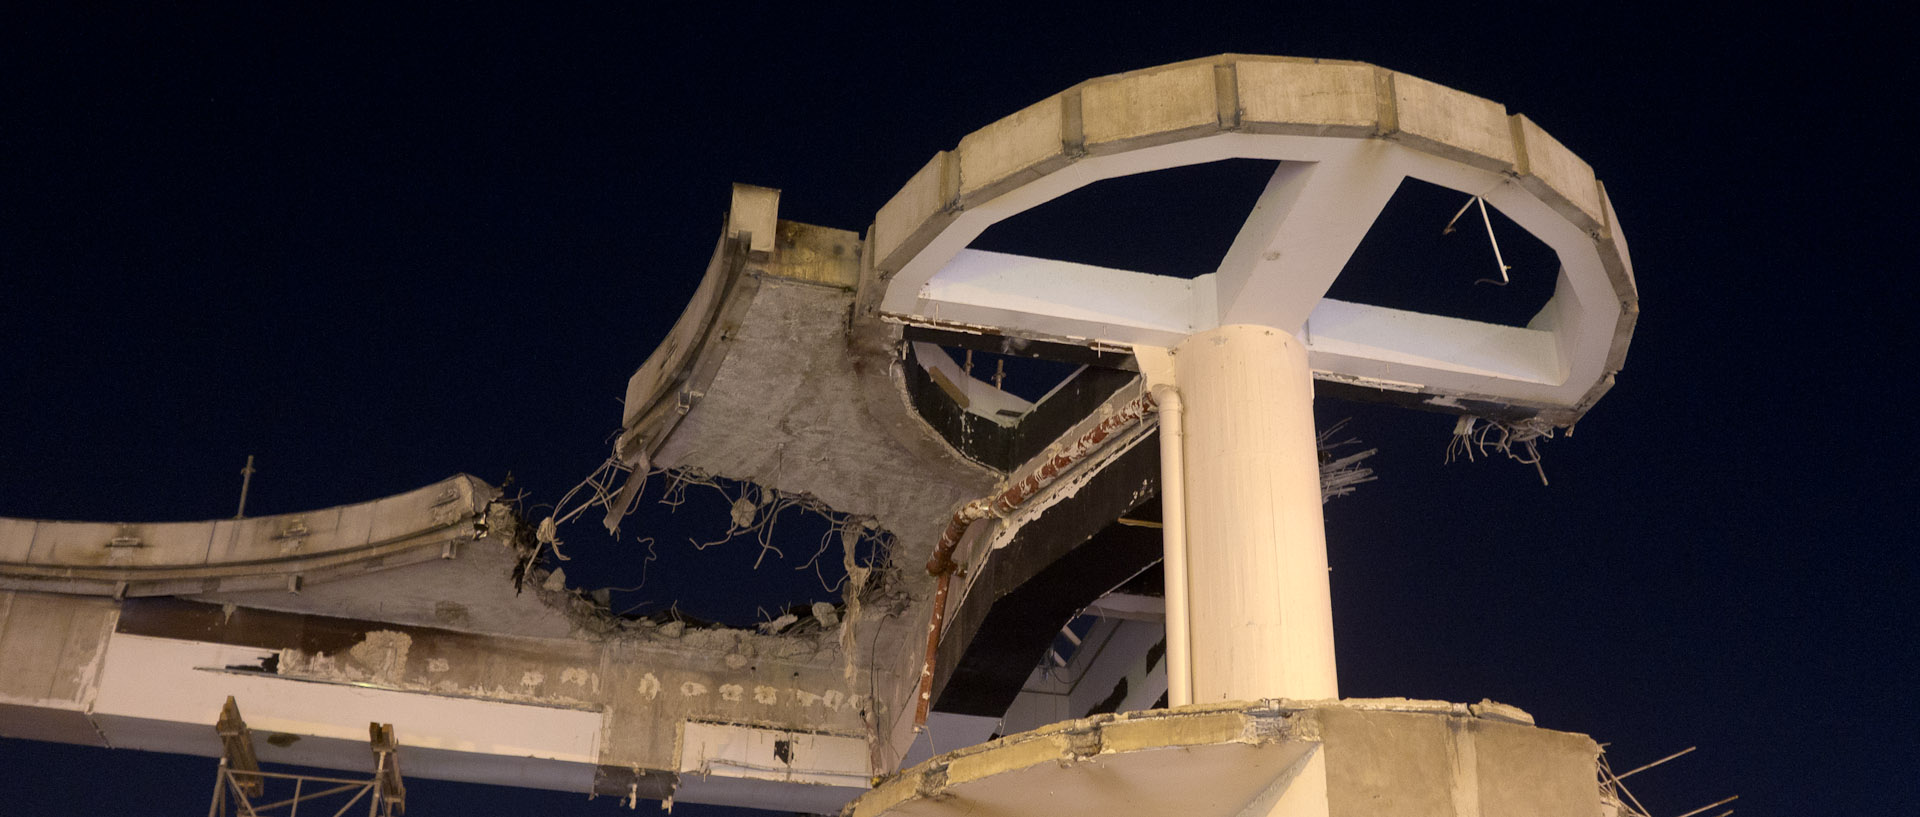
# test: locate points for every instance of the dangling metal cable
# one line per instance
(1487, 220)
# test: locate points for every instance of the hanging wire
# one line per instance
(1488, 221)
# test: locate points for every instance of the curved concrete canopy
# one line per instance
(1346, 134)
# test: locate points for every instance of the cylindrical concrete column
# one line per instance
(1259, 611)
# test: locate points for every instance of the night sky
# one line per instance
(374, 251)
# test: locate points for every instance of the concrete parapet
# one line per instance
(1154, 105)
(51, 649)
(1452, 124)
(922, 208)
(1549, 170)
(1028, 143)
(164, 558)
(1309, 97)
(1386, 758)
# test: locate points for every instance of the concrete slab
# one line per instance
(1453, 124)
(1561, 179)
(912, 216)
(1018, 143)
(1156, 102)
(1309, 97)
(1387, 758)
(51, 649)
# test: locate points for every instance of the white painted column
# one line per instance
(1260, 614)
(1173, 528)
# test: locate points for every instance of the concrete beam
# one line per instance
(1366, 125)
(123, 559)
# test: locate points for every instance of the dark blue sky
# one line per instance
(376, 250)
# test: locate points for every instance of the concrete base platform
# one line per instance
(1379, 758)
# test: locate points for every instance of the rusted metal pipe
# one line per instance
(1055, 462)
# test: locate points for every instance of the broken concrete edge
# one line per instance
(1248, 722)
(123, 559)
(594, 621)
(658, 394)
(474, 513)
(754, 243)
(874, 595)
(816, 257)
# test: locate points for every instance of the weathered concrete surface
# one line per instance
(1401, 764)
(1361, 758)
(469, 588)
(566, 713)
(1159, 103)
(51, 649)
(644, 685)
(778, 376)
(166, 558)
(1305, 113)
(784, 411)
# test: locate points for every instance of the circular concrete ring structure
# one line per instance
(1272, 757)
(1345, 135)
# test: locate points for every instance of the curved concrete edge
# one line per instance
(1235, 93)
(282, 551)
(792, 319)
(1242, 757)
(660, 392)
(1232, 93)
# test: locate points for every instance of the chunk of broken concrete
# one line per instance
(828, 616)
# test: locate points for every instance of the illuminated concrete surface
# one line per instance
(809, 361)
(1380, 758)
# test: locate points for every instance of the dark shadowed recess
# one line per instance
(691, 562)
(1177, 222)
(1410, 261)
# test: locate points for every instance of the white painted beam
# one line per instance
(777, 769)
(1059, 298)
(1307, 223)
(163, 695)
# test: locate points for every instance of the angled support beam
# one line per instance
(1300, 234)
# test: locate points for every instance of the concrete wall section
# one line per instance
(1561, 179)
(915, 214)
(1453, 124)
(51, 651)
(1406, 764)
(1309, 97)
(1362, 758)
(1021, 144)
(1163, 103)
(468, 587)
(1523, 771)
(165, 558)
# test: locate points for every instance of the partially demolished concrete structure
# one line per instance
(820, 363)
